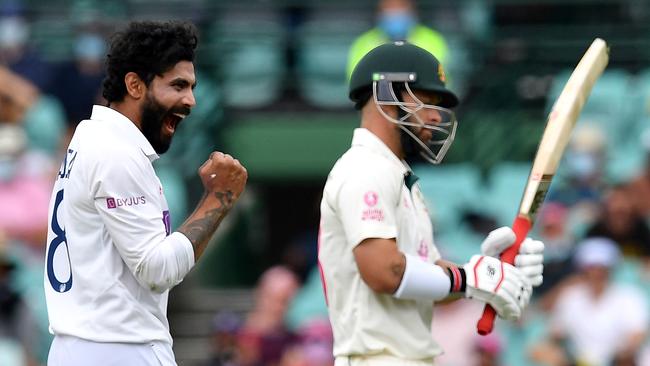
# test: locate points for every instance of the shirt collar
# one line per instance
(367, 139)
(126, 127)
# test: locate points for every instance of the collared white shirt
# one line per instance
(365, 197)
(598, 328)
(110, 256)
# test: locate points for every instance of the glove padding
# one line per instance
(530, 259)
(499, 284)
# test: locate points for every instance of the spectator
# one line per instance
(226, 325)
(553, 229)
(264, 336)
(18, 328)
(454, 327)
(18, 56)
(396, 20)
(488, 350)
(313, 346)
(620, 222)
(595, 321)
(583, 175)
(25, 176)
(639, 186)
(78, 82)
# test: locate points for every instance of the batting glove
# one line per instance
(530, 259)
(499, 284)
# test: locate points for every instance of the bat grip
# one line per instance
(521, 227)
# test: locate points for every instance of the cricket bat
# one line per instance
(560, 122)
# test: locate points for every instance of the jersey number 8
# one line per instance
(54, 245)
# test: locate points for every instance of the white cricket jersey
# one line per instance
(108, 225)
(366, 197)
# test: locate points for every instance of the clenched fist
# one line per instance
(223, 175)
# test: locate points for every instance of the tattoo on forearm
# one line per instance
(200, 230)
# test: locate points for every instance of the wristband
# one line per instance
(422, 280)
(458, 279)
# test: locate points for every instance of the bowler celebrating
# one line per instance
(111, 256)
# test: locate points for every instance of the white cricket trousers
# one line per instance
(379, 360)
(73, 351)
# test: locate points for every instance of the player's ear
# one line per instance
(134, 85)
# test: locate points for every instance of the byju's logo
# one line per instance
(167, 221)
(112, 202)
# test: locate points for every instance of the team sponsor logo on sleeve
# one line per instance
(167, 221)
(423, 251)
(114, 202)
(370, 198)
(372, 213)
(110, 202)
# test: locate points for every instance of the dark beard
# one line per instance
(153, 115)
(153, 118)
(412, 150)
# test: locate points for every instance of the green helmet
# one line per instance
(401, 58)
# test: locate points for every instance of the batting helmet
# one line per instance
(392, 71)
(401, 58)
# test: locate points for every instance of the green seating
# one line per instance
(504, 190)
(606, 104)
(54, 38)
(449, 189)
(175, 193)
(45, 125)
(323, 45)
(248, 60)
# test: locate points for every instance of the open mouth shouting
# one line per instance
(172, 120)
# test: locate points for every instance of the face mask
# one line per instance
(396, 24)
(90, 47)
(582, 165)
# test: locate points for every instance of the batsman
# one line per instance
(381, 270)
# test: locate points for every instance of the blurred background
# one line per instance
(272, 91)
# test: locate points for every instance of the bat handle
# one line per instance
(521, 227)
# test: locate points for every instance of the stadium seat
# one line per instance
(606, 104)
(45, 125)
(449, 189)
(458, 244)
(53, 38)
(624, 161)
(175, 193)
(11, 352)
(324, 41)
(638, 106)
(458, 66)
(249, 60)
(504, 190)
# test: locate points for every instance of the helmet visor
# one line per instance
(432, 127)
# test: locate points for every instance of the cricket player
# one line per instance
(111, 256)
(380, 267)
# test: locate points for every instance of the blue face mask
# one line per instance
(582, 165)
(396, 24)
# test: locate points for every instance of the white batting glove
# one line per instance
(499, 284)
(530, 259)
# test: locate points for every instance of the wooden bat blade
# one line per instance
(560, 123)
